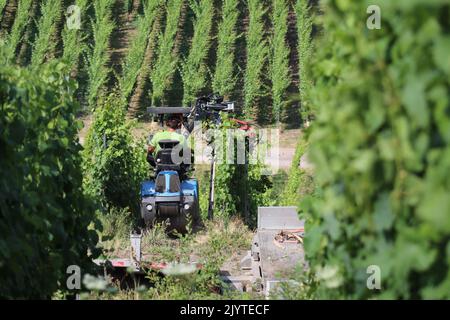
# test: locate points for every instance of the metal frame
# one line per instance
(168, 110)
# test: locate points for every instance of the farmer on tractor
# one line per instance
(173, 123)
(171, 193)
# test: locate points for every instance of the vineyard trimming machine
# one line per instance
(172, 195)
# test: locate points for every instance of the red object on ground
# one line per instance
(243, 125)
(162, 265)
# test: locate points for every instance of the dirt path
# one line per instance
(87, 121)
(120, 38)
(142, 80)
(292, 40)
(7, 19)
(281, 156)
(140, 96)
(25, 46)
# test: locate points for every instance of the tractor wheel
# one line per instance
(196, 217)
(147, 223)
(178, 223)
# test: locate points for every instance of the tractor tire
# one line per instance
(178, 224)
(197, 223)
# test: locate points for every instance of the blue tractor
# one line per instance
(171, 194)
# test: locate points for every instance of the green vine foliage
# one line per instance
(381, 147)
(257, 191)
(279, 59)
(44, 216)
(114, 163)
(257, 52)
(226, 199)
(13, 39)
(168, 57)
(98, 55)
(73, 39)
(194, 70)
(44, 46)
(299, 187)
(132, 65)
(2, 5)
(304, 13)
(240, 188)
(225, 78)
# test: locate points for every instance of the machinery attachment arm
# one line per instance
(205, 107)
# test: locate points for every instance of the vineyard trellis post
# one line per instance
(211, 186)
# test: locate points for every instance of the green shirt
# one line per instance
(166, 135)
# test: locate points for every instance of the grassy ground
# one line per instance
(210, 248)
